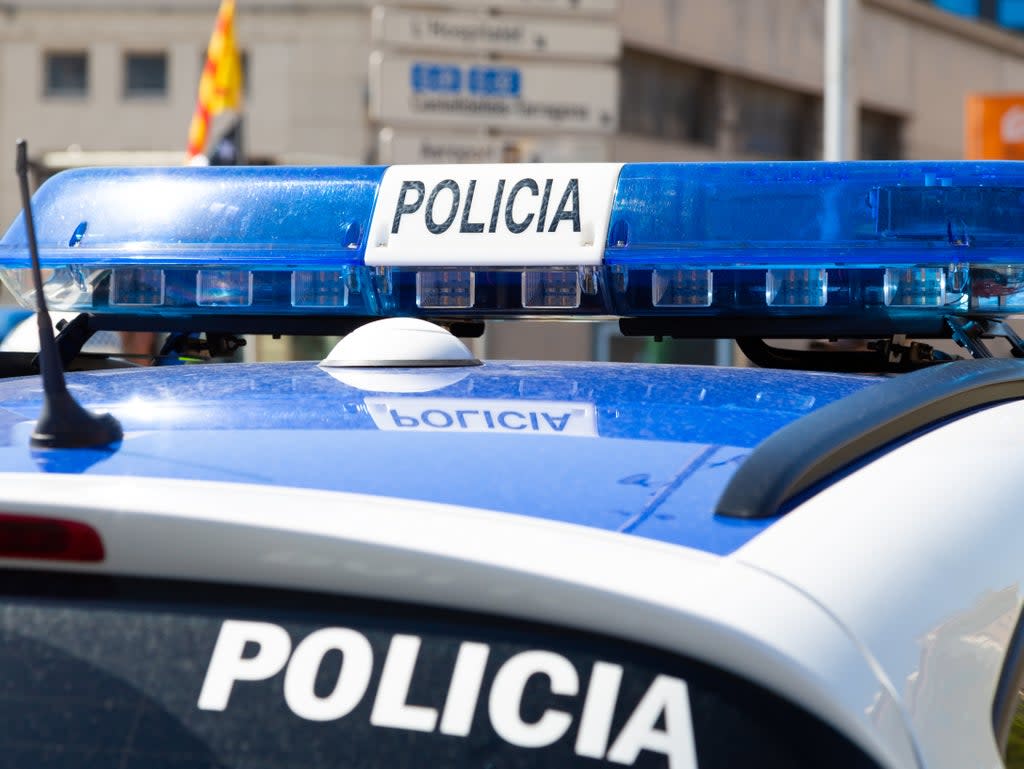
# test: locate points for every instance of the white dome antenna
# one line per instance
(400, 343)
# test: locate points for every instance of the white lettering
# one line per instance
(598, 710)
(661, 722)
(464, 690)
(227, 664)
(390, 708)
(667, 696)
(353, 678)
(507, 696)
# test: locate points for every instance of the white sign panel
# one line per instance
(573, 7)
(431, 90)
(533, 214)
(483, 33)
(481, 415)
(457, 147)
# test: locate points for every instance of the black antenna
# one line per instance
(63, 423)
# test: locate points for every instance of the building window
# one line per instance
(775, 122)
(881, 136)
(67, 74)
(145, 75)
(667, 99)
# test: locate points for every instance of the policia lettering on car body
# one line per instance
(660, 722)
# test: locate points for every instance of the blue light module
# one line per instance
(704, 240)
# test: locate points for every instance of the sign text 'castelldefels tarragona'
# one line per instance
(413, 90)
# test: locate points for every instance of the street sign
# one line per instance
(994, 127)
(409, 147)
(568, 7)
(471, 92)
(484, 33)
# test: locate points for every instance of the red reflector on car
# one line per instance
(26, 536)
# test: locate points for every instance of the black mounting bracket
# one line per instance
(893, 355)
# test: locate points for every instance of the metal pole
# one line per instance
(841, 110)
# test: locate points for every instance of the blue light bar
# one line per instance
(771, 239)
(876, 214)
(742, 241)
(314, 217)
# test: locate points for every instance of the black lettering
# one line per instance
(446, 418)
(497, 206)
(404, 208)
(512, 224)
(504, 415)
(571, 214)
(544, 206)
(466, 225)
(558, 423)
(432, 225)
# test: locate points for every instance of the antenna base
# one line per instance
(64, 424)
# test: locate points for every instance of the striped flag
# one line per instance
(220, 87)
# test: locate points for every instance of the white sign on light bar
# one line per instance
(468, 33)
(540, 214)
(432, 90)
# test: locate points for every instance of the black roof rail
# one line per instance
(805, 452)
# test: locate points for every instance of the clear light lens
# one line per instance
(551, 289)
(137, 287)
(224, 288)
(438, 289)
(315, 288)
(796, 288)
(681, 288)
(915, 287)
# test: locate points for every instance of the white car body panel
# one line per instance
(681, 600)
(921, 558)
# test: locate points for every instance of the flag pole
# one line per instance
(841, 108)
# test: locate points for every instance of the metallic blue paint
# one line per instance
(665, 439)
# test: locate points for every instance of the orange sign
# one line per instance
(994, 127)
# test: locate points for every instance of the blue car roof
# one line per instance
(640, 449)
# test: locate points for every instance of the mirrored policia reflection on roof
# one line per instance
(638, 448)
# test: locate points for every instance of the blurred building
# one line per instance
(341, 82)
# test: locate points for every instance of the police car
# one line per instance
(403, 556)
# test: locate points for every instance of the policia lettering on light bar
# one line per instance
(568, 208)
(660, 723)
